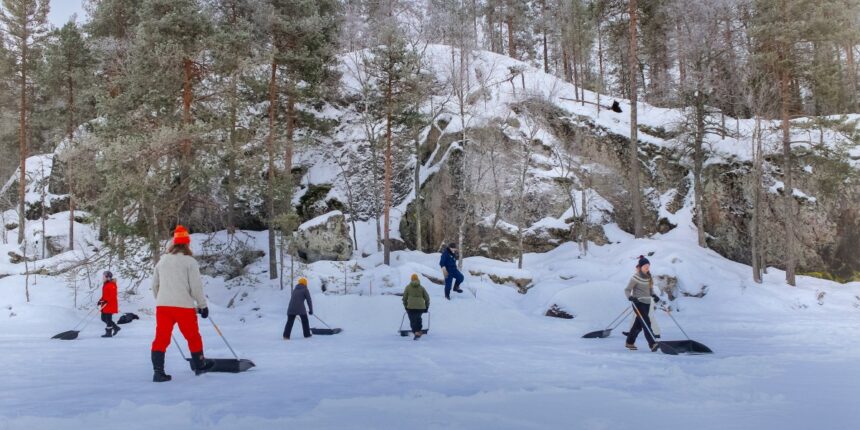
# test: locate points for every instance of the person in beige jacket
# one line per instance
(178, 290)
(640, 292)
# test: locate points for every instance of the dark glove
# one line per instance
(656, 299)
(427, 310)
(204, 312)
(310, 312)
(632, 299)
(101, 303)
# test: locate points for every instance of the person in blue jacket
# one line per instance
(448, 262)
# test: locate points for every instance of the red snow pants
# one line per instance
(186, 318)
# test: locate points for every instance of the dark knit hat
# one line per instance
(108, 275)
(642, 261)
(452, 245)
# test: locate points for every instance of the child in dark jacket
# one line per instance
(448, 262)
(109, 304)
(298, 298)
(416, 301)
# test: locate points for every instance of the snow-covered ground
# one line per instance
(785, 358)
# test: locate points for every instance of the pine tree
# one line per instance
(304, 35)
(779, 27)
(392, 64)
(69, 68)
(25, 26)
(238, 45)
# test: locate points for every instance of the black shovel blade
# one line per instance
(325, 331)
(405, 333)
(67, 335)
(599, 334)
(227, 365)
(675, 347)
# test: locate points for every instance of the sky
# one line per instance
(62, 10)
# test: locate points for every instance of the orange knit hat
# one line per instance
(415, 277)
(303, 281)
(180, 236)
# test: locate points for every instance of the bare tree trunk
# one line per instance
(790, 247)
(26, 273)
(682, 63)
(633, 66)
(185, 165)
(565, 59)
(852, 73)
(376, 208)
(69, 166)
(512, 45)
(491, 28)
(386, 246)
(231, 158)
(417, 178)
(288, 151)
(270, 178)
(42, 198)
(543, 34)
(755, 227)
(22, 143)
(698, 158)
(583, 238)
(599, 64)
(576, 82)
(521, 204)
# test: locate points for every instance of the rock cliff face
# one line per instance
(828, 217)
(828, 200)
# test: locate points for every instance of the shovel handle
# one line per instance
(676, 323)
(178, 346)
(218, 330)
(624, 314)
(320, 320)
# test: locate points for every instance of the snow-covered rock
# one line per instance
(325, 237)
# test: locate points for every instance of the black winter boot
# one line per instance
(116, 330)
(200, 364)
(158, 367)
(108, 333)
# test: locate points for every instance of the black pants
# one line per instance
(108, 320)
(291, 319)
(415, 319)
(643, 309)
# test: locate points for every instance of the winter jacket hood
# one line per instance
(299, 296)
(176, 282)
(415, 297)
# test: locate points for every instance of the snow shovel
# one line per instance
(325, 331)
(223, 365)
(73, 334)
(599, 334)
(688, 346)
(404, 333)
(230, 365)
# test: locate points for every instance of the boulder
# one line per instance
(325, 237)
